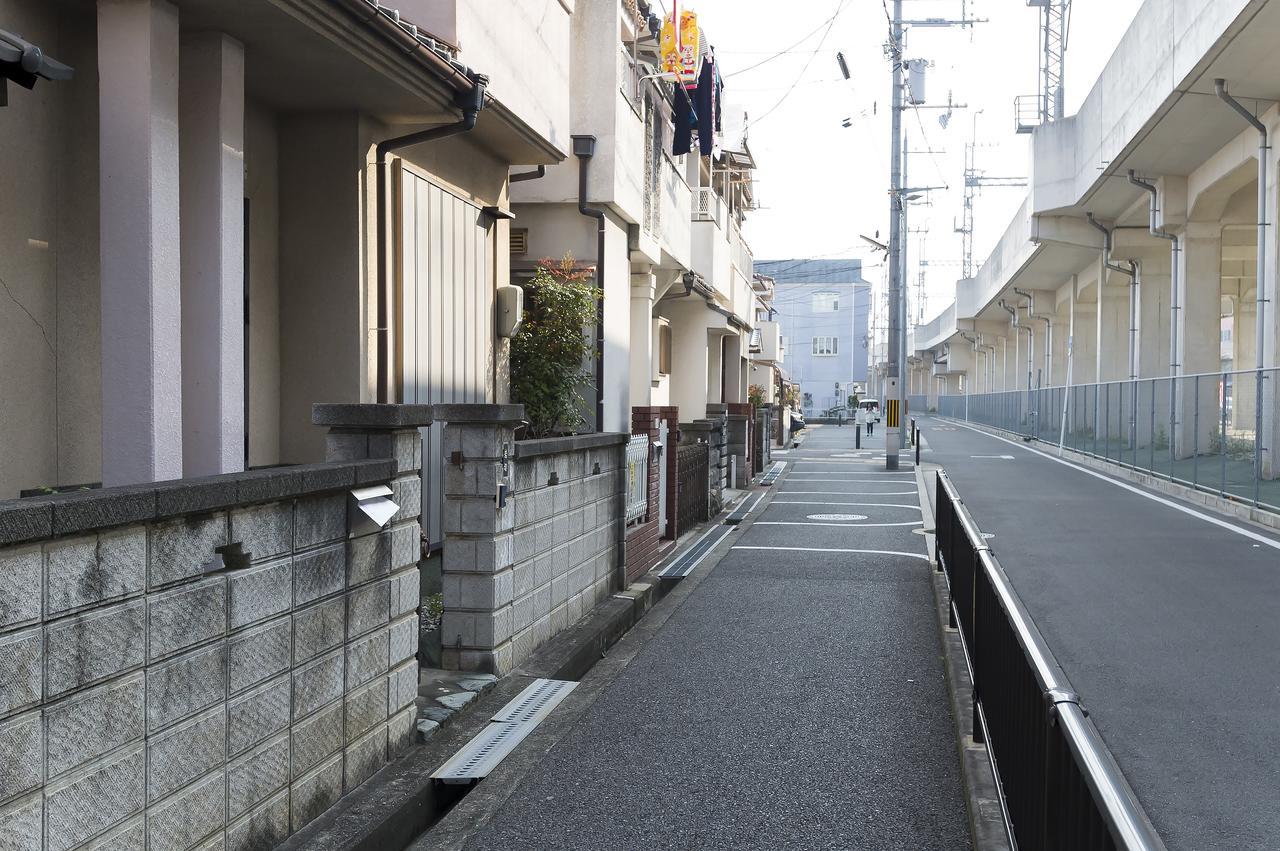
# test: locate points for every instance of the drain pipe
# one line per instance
(1174, 248)
(470, 102)
(584, 148)
(1133, 272)
(1134, 282)
(1220, 87)
(1031, 336)
(539, 172)
(1030, 296)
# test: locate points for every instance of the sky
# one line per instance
(820, 184)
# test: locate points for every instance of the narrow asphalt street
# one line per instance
(1163, 615)
(795, 699)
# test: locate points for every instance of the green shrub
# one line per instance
(549, 350)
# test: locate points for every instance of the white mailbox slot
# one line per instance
(371, 508)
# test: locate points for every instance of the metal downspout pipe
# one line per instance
(584, 164)
(1220, 87)
(1175, 247)
(1134, 281)
(470, 102)
(972, 341)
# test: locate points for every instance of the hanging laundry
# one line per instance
(681, 47)
(704, 104)
(684, 118)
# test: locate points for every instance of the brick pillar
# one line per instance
(383, 584)
(479, 580)
(642, 537)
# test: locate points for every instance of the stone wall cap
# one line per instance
(36, 518)
(495, 414)
(570, 443)
(698, 425)
(357, 415)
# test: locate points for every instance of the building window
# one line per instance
(824, 346)
(826, 302)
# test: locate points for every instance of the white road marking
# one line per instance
(852, 493)
(1239, 530)
(835, 517)
(840, 525)
(998, 457)
(824, 550)
(845, 482)
(867, 504)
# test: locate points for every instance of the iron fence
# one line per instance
(1061, 788)
(1216, 432)
(693, 471)
(637, 476)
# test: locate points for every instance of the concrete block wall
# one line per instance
(533, 533)
(199, 663)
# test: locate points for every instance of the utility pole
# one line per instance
(893, 391)
(895, 395)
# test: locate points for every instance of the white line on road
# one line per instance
(823, 550)
(865, 504)
(1239, 530)
(851, 493)
(998, 457)
(841, 525)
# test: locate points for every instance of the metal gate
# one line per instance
(637, 476)
(662, 450)
(692, 486)
(445, 299)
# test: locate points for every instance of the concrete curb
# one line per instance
(399, 804)
(987, 824)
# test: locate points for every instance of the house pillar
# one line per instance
(643, 291)
(140, 283)
(211, 110)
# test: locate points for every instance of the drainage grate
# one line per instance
(481, 755)
(536, 701)
(740, 513)
(774, 471)
(692, 557)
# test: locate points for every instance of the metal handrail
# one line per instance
(1113, 798)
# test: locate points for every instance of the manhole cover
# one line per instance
(837, 517)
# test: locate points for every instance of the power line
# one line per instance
(830, 23)
(787, 50)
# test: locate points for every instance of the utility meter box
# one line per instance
(510, 304)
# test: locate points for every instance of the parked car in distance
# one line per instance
(872, 408)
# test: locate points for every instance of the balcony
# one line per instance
(771, 342)
(708, 206)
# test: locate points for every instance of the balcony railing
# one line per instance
(707, 206)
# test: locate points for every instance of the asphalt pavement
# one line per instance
(795, 699)
(1164, 621)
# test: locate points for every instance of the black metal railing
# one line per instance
(1062, 788)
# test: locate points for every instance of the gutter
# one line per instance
(410, 40)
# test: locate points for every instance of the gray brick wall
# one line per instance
(515, 576)
(147, 703)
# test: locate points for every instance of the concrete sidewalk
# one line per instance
(1164, 621)
(795, 699)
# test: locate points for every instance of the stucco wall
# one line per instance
(50, 342)
(262, 188)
